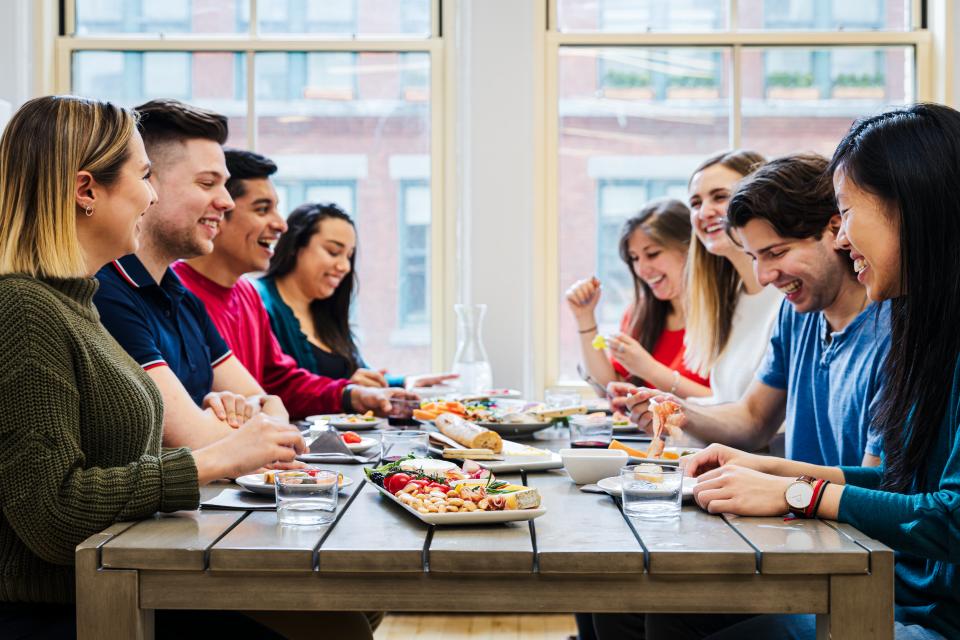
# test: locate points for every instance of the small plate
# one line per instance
(612, 486)
(469, 517)
(503, 393)
(254, 482)
(365, 444)
(343, 421)
(514, 429)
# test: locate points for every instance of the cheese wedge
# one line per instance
(471, 454)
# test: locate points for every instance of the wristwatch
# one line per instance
(799, 495)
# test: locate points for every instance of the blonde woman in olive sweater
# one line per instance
(80, 428)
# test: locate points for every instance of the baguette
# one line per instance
(468, 434)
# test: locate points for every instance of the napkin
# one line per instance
(329, 447)
(240, 500)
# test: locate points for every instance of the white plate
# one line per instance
(514, 460)
(514, 428)
(365, 444)
(339, 420)
(469, 517)
(639, 460)
(254, 482)
(612, 486)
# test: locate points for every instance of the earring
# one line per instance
(88, 210)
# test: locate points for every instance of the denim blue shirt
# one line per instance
(160, 324)
(832, 380)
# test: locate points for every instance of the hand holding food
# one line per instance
(260, 441)
(372, 399)
(582, 298)
(630, 353)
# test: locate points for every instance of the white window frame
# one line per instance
(442, 293)
(932, 58)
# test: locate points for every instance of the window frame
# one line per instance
(251, 42)
(547, 223)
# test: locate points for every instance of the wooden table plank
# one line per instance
(495, 548)
(374, 535)
(582, 532)
(291, 548)
(169, 541)
(695, 543)
(801, 546)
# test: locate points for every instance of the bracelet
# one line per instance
(590, 330)
(676, 381)
(819, 492)
(345, 400)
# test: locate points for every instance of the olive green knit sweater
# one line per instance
(80, 429)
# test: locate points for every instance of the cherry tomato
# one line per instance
(396, 482)
(351, 438)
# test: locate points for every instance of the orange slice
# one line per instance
(616, 444)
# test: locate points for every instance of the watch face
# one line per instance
(799, 495)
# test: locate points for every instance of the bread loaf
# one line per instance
(468, 434)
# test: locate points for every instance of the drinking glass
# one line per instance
(306, 496)
(593, 432)
(399, 444)
(651, 491)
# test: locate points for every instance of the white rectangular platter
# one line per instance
(471, 517)
(513, 462)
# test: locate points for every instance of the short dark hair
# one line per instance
(246, 165)
(167, 120)
(793, 193)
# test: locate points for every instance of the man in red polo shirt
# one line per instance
(245, 245)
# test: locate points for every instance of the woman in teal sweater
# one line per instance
(80, 428)
(895, 177)
(308, 291)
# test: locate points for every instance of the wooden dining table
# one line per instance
(583, 555)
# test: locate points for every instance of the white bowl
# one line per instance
(586, 466)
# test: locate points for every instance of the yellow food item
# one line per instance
(599, 342)
(649, 472)
(670, 455)
(616, 444)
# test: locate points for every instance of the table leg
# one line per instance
(861, 606)
(108, 601)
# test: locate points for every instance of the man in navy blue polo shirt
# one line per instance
(164, 327)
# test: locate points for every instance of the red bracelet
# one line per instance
(814, 505)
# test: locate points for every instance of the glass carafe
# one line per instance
(471, 360)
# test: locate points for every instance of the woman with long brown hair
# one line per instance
(649, 348)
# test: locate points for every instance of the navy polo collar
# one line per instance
(133, 272)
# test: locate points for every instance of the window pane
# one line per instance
(343, 128)
(96, 17)
(825, 15)
(634, 122)
(351, 18)
(805, 99)
(641, 16)
(215, 80)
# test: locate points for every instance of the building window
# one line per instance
(413, 298)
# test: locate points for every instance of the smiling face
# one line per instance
(659, 267)
(325, 261)
(115, 223)
(190, 179)
(710, 192)
(251, 229)
(808, 271)
(870, 231)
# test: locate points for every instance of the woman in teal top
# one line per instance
(308, 291)
(895, 177)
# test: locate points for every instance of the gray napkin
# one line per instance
(591, 488)
(240, 500)
(329, 447)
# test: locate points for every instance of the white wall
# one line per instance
(496, 163)
(16, 55)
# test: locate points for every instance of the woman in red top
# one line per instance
(648, 351)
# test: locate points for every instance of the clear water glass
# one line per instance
(590, 432)
(399, 444)
(306, 496)
(651, 491)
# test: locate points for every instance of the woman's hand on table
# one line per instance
(232, 408)
(582, 298)
(428, 380)
(369, 378)
(716, 456)
(742, 491)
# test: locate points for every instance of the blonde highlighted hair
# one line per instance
(45, 144)
(713, 284)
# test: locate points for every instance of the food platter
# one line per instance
(255, 484)
(351, 421)
(471, 517)
(612, 486)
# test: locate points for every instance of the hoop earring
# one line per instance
(88, 211)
